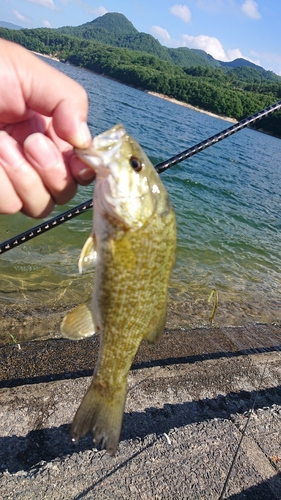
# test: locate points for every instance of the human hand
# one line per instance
(43, 115)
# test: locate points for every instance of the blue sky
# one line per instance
(226, 29)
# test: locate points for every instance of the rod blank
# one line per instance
(161, 167)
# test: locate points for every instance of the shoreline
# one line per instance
(46, 55)
(21, 323)
(186, 105)
(155, 94)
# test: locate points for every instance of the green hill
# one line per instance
(115, 29)
(10, 26)
(191, 57)
(112, 25)
(239, 63)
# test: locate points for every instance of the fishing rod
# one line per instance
(161, 167)
(45, 226)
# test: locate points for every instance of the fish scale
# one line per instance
(145, 294)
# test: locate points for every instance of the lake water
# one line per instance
(227, 201)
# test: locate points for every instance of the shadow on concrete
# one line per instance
(267, 490)
(29, 453)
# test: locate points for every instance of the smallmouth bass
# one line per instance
(132, 246)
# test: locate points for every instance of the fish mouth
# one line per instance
(104, 148)
(98, 161)
(91, 157)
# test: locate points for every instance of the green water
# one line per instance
(227, 201)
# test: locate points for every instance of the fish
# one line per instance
(132, 247)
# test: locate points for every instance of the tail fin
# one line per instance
(103, 412)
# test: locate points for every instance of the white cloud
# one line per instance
(46, 24)
(210, 44)
(251, 9)
(160, 33)
(234, 54)
(268, 60)
(19, 16)
(100, 11)
(181, 11)
(45, 3)
(237, 54)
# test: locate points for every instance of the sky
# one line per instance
(226, 29)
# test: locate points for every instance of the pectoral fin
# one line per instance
(157, 329)
(79, 323)
(88, 255)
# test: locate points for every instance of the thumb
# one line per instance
(70, 124)
(51, 93)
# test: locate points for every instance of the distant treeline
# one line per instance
(237, 93)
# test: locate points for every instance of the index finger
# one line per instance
(51, 93)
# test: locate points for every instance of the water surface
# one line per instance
(227, 201)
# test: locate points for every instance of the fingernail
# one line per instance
(42, 150)
(86, 174)
(10, 152)
(84, 135)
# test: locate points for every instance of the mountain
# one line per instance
(112, 25)
(240, 62)
(115, 29)
(191, 57)
(10, 26)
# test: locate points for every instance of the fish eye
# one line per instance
(135, 164)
